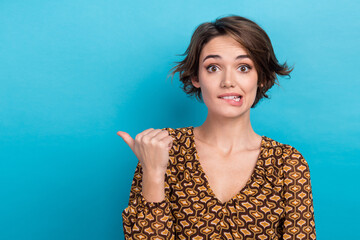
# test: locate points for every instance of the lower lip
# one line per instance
(233, 102)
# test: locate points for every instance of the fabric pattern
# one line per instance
(276, 202)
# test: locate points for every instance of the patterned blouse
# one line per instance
(276, 202)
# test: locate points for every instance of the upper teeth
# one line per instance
(231, 97)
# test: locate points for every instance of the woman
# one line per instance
(221, 180)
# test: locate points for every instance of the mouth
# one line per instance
(236, 98)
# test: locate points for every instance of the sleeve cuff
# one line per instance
(140, 206)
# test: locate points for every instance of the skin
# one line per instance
(227, 145)
(151, 147)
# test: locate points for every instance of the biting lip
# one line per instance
(229, 94)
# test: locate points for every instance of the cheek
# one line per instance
(206, 92)
(251, 84)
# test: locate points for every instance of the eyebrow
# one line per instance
(218, 56)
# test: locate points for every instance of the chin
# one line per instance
(234, 113)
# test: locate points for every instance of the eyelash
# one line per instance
(244, 65)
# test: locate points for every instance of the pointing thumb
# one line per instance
(127, 138)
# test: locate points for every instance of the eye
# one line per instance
(244, 68)
(212, 68)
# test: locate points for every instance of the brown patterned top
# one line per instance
(276, 202)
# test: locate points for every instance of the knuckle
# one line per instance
(162, 144)
(139, 136)
(154, 141)
(145, 139)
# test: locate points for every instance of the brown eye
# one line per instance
(244, 68)
(212, 68)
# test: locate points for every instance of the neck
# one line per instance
(228, 134)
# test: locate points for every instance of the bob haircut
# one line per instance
(246, 32)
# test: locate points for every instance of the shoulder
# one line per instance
(178, 130)
(182, 149)
(287, 156)
(180, 134)
(183, 140)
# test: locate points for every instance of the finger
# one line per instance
(171, 144)
(127, 138)
(149, 136)
(161, 134)
(152, 133)
(146, 131)
(168, 140)
(139, 136)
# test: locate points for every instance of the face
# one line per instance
(225, 68)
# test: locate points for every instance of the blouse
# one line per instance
(276, 202)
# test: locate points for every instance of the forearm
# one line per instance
(141, 216)
(153, 186)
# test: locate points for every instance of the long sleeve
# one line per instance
(299, 222)
(147, 220)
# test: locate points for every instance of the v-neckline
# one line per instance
(207, 183)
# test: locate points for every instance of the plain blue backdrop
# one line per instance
(74, 72)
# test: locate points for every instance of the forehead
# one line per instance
(223, 45)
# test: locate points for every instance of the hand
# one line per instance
(151, 147)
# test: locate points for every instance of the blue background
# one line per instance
(74, 72)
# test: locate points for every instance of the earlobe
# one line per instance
(195, 82)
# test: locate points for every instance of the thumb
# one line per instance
(127, 138)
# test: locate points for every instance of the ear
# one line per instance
(195, 82)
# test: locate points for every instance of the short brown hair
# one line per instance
(250, 35)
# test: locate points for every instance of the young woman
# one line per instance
(221, 180)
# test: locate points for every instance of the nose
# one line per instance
(228, 80)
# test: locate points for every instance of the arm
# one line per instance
(143, 219)
(299, 222)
